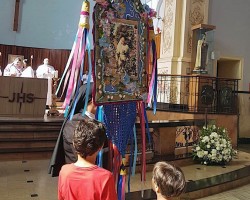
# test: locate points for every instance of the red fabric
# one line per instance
(90, 183)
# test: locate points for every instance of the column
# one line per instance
(179, 16)
(176, 40)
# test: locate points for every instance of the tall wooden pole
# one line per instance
(16, 16)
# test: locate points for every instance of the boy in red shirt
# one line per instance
(83, 179)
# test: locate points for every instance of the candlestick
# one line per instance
(56, 74)
(53, 108)
(31, 59)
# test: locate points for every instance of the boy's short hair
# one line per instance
(169, 179)
(89, 137)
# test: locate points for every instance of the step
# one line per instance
(29, 135)
(27, 149)
(204, 180)
(24, 145)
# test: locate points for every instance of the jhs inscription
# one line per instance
(22, 98)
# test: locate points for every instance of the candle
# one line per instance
(56, 74)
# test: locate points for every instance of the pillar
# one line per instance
(178, 18)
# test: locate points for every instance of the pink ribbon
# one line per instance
(143, 134)
(75, 67)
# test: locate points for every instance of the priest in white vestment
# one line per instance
(28, 72)
(14, 69)
(46, 71)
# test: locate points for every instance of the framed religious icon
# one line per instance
(120, 55)
(12, 57)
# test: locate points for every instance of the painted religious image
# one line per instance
(120, 60)
(120, 75)
(186, 136)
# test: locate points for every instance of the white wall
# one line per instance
(232, 34)
(43, 23)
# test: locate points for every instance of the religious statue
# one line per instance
(202, 54)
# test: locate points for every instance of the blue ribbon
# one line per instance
(68, 63)
(119, 187)
(155, 78)
(99, 113)
(100, 158)
(135, 152)
(89, 74)
(131, 158)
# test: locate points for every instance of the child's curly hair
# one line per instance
(89, 137)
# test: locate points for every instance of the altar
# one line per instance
(23, 97)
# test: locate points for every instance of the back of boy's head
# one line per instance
(169, 179)
(89, 137)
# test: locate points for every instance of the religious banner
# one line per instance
(120, 32)
(123, 43)
(124, 47)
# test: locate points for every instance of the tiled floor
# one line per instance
(28, 180)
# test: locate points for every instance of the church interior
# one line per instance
(199, 78)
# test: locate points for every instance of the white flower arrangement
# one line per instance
(214, 146)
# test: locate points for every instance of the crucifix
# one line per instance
(16, 16)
